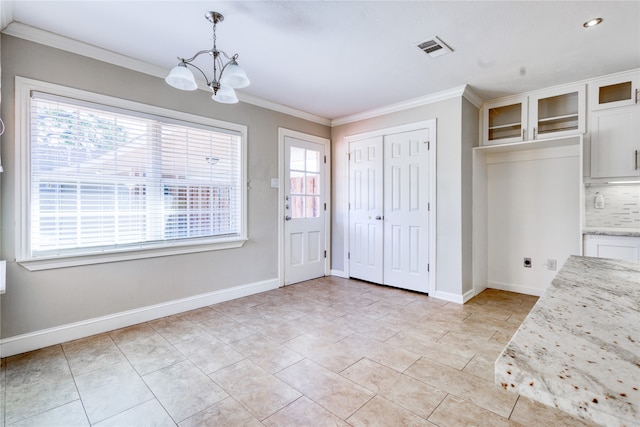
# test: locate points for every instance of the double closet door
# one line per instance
(389, 210)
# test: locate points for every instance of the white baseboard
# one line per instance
(468, 295)
(339, 273)
(72, 331)
(457, 298)
(527, 290)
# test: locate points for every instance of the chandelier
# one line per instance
(226, 76)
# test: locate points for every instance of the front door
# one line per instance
(304, 210)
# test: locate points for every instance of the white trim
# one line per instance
(527, 290)
(282, 133)
(457, 298)
(46, 38)
(533, 154)
(6, 13)
(432, 125)
(339, 273)
(23, 88)
(472, 97)
(38, 264)
(411, 103)
(72, 331)
(270, 105)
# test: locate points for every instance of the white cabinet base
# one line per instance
(616, 247)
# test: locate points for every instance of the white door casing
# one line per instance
(303, 207)
(366, 210)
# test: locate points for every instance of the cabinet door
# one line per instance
(615, 142)
(557, 113)
(616, 247)
(505, 121)
(616, 91)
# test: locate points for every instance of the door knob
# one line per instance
(378, 218)
(287, 218)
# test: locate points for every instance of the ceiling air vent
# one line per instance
(434, 47)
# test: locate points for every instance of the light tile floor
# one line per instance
(327, 352)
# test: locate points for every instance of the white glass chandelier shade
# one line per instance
(227, 74)
(182, 78)
(225, 95)
(234, 76)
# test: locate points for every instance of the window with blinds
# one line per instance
(105, 179)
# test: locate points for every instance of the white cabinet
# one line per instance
(615, 91)
(546, 114)
(616, 247)
(614, 125)
(615, 142)
(557, 113)
(504, 121)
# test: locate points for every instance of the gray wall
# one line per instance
(457, 132)
(45, 299)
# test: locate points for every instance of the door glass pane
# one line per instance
(297, 206)
(304, 185)
(313, 183)
(313, 207)
(296, 161)
(297, 183)
(313, 161)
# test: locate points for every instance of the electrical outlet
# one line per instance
(552, 264)
(527, 262)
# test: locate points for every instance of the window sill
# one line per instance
(126, 255)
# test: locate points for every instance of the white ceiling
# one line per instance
(338, 58)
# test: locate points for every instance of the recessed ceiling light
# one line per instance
(592, 22)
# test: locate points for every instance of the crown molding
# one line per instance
(37, 35)
(472, 97)
(261, 102)
(6, 13)
(412, 103)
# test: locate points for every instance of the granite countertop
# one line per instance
(610, 231)
(579, 348)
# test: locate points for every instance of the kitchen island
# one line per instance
(579, 348)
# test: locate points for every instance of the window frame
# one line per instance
(23, 89)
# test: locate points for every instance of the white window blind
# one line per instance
(107, 179)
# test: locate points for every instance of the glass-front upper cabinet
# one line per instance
(557, 112)
(504, 121)
(615, 91)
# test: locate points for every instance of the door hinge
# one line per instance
(349, 156)
(428, 206)
(349, 205)
(348, 255)
(428, 268)
(325, 206)
(428, 145)
(325, 159)
(325, 254)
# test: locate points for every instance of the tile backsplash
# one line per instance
(621, 206)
